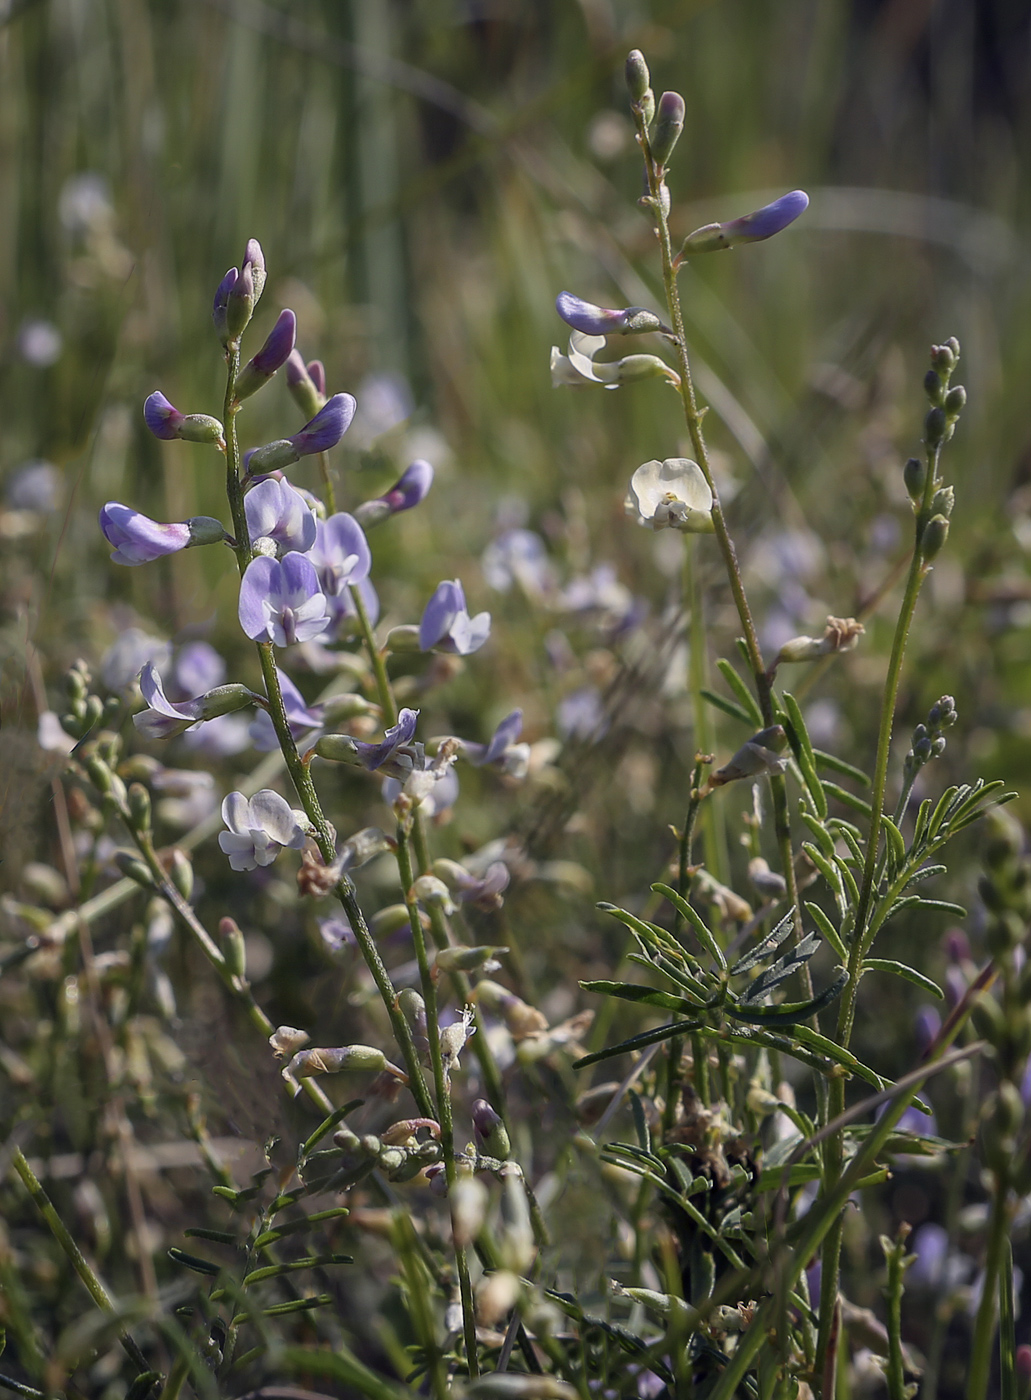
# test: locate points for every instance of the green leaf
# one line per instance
(728, 707)
(788, 1013)
(825, 866)
(850, 799)
(142, 1385)
(745, 697)
(765, 946)
(847, 879)
(823, 836)
(293, 1266)
(328, 1124)
(944, 803)
(705, 936)
(838, 765)
(639, 1042)
(926, 872)
(904, 970)
(218, 1236)
(801, 746)
(296, 1227)
(192, 1261)
(782, 969)
(896, 846)
(828, 930)
(640, 1120)
(646, 996)
(650, 934)
(920, 825)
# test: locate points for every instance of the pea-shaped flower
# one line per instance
(593, 320)
(750, 228)
(278, 512)
(673, 493)
(323, 432)
(340, 553)
(280, 600)
(446, 624)
(137, 539)
(260, 828)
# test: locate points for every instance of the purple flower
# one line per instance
(165, 718)
(276, 511)
(373, 756)
(581, 715)
(162, 417)
(304, 720)
(260, 829)
(196, 667)
(340, 553)
(221, 303)
(272, 356)
(446, 624)
(307, 383)
(412, 488)
(750, 228)
(323, 432)
(125, 657)
(589, 319)
(501, 748)
(336, 933)
(281, 601)
(136, 538)
(518, 556)
(238, 294)
(35, 486)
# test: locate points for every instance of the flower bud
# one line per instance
(944, 357)
(431, 891)
(180, 872)
(460, 958)
(304, 390)
(936, 532)
(245, 291)
(138, 802)
(270, 358)
(762, 223)
(331, 1060)
(935, 427)
(669, 123)
(933, 386)
(955, 401)
(391, 919)
(221, 303)
(943, 501)
(132, 866)
(490, 1130)
(638, 79)
(914, 474)
(273, 457)
(287, 1040)
(201, 427)
(233, 946)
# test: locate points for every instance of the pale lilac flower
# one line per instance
(272, 356)
(384, 402)
(750, 228)
(136, 538)
(373, 756)
(446, 624)
(125, 657)
(280, 601)
(581, 714)
(276, 511)
(220, 737)
(501, 748)
(305, 720)
(336, 933)
(673, 493)
(518, 556)
(260, 828)
(39, 343)
(411, 489)
(340, 553)
(323, 432)
(35, 486)
(188, 796)
(164, 718)
(196, 667)
(432, 786)
(484, 890)
(589, 319)
(50, 734)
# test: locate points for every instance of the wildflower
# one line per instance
(453, 1038)
(592, 320)
(391, 754)
(759, 757)
(238, 294)
(165, 718)
(276, 511)
(501, 748)
(307, 383)
(340, 553)
(281, 601)
(673, 493)
(750, 228)
(336, 933)
(304, 720)
(39, 342)
(219, 738)
(484, 891)
(137, 539)
(272, 356)
(196, 667)
(320, 434)
(431, 784)
(446, 624)
(344, 615)
(260, 828)
(166, 422)
(287, 1040)
(518, 556)
(411, 488)
(581, 714)
(578, 366)
(36, 486)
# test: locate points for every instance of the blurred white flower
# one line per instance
(39, 342)
(673, 493)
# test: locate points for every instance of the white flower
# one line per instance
(260, 828)
(578, 366)
(672, 493)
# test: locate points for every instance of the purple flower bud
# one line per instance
(327, 427)
(136, 538)
(750, 228)
(446, 624)
(276, 511)
(501, 748)
(280, 601)
(270, 358)
(669, 123)
(317, 373)
(254, 260)
(926, 1025)
(412, 488)
(589, 319)
(373, 756)
(161, 417)
(221, 303)
(303, 389)
(273, 457)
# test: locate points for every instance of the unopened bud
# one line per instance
(936, 532)
(935, 427)
(943, 501)
(180, 872)
(304, 389)
(944, 357)
(138, 803)
(669, 123)
(490, 1130)
(914, 474)
(638, 79)
(200, 427)
(955, 401)
(136, 870)
(205, 529)
(388, 920)
(933, 387)
(233, 947)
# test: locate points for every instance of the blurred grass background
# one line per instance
(424, 178)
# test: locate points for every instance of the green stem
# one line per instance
(895, 1373)
(714, 831)
(78, 1260)
(980, 1369)
(329, 494)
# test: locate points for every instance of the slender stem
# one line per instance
(980, 1369)
(78, 1260)
(234, 486)
(328, 489)
(714, 831)
(895, 1373)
